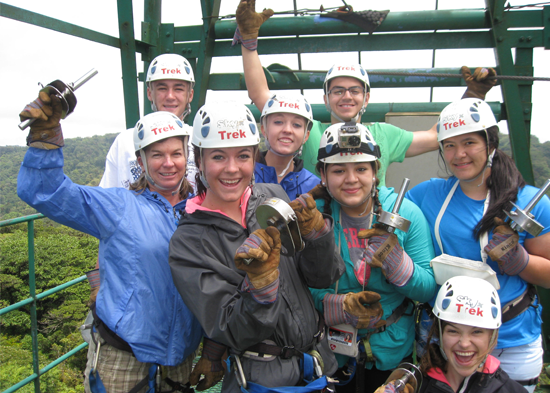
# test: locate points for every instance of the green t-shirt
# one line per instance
(393, 141)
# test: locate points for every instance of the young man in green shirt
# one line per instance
(347, 94)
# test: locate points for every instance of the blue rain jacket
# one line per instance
(137, 298)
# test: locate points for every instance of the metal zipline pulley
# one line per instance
(393, 220)
(523, 220)
(405, 373)
(65, 92)
(277, 213)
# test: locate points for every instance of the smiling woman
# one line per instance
(467, 318)
(249, 295)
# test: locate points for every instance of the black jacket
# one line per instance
(484, 382)
(201, 258)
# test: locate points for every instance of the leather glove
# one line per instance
(361, 310)
(248, 24)
(249, 21)
(209, 366)
(385, 252)
(310, 220)
(390, 388)
(45, 131)
(264, 247)
(478, 84)
(504, 248)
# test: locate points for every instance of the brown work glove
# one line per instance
(263, 246)
(390, 388)
(209, 366)
(249, 21)
(310, 220)
(361, 310)
(478, 84)
(504, 249)
(384, 251)
(45, 131)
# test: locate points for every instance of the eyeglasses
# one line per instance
(340, 91)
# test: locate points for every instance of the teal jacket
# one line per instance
(391, 346)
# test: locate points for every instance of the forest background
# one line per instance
(63, 254)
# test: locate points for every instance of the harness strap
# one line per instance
(395, 316)
(519, 305)
(529, 382)
(108, 335)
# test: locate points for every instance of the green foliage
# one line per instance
(84, 164)
(61, 254)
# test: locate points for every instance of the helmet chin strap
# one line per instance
(150, 180)
(356, 118)
(370, 195)
(185, 112)
(201, 173)
(482, 173)
(295, 154)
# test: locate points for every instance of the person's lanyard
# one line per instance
(483, 238)
(340, 246)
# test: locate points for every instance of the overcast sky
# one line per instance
(31, 54)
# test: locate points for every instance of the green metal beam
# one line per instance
(376, 112)
(280, 80)
(60, 26)
(394, 22)
(204, 58)
(128, 61)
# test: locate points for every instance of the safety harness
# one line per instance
(357, 366)
(152, 380)
(311, 366)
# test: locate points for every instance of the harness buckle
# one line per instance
(287, 352)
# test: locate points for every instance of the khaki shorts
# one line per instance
(120, 371)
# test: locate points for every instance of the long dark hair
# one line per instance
(504, 183)
(377, 206)
(432, 358)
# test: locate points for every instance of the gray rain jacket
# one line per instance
(201, 258)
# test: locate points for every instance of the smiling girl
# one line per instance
(466, 213)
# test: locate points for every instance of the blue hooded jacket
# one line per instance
(137, 297)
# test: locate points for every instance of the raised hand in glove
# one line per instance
(361, 310)
(209, 366)
(390, 388)
(248, 23)
(478, 84)
(45, 131)
(504, 248)
(310, 220)
(263, 246)
(385, 252)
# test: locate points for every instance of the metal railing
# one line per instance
(32, 301)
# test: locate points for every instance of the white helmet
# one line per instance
(157, 126)
(353, 70)
(224, 124)
(287, 103)
(468, 301)
(330, 151)
(464, 116)
(170, 66)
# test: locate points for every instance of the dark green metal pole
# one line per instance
(32, 293)
(150, 30)
(518, 115)
(210, 12)
(128, 61)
